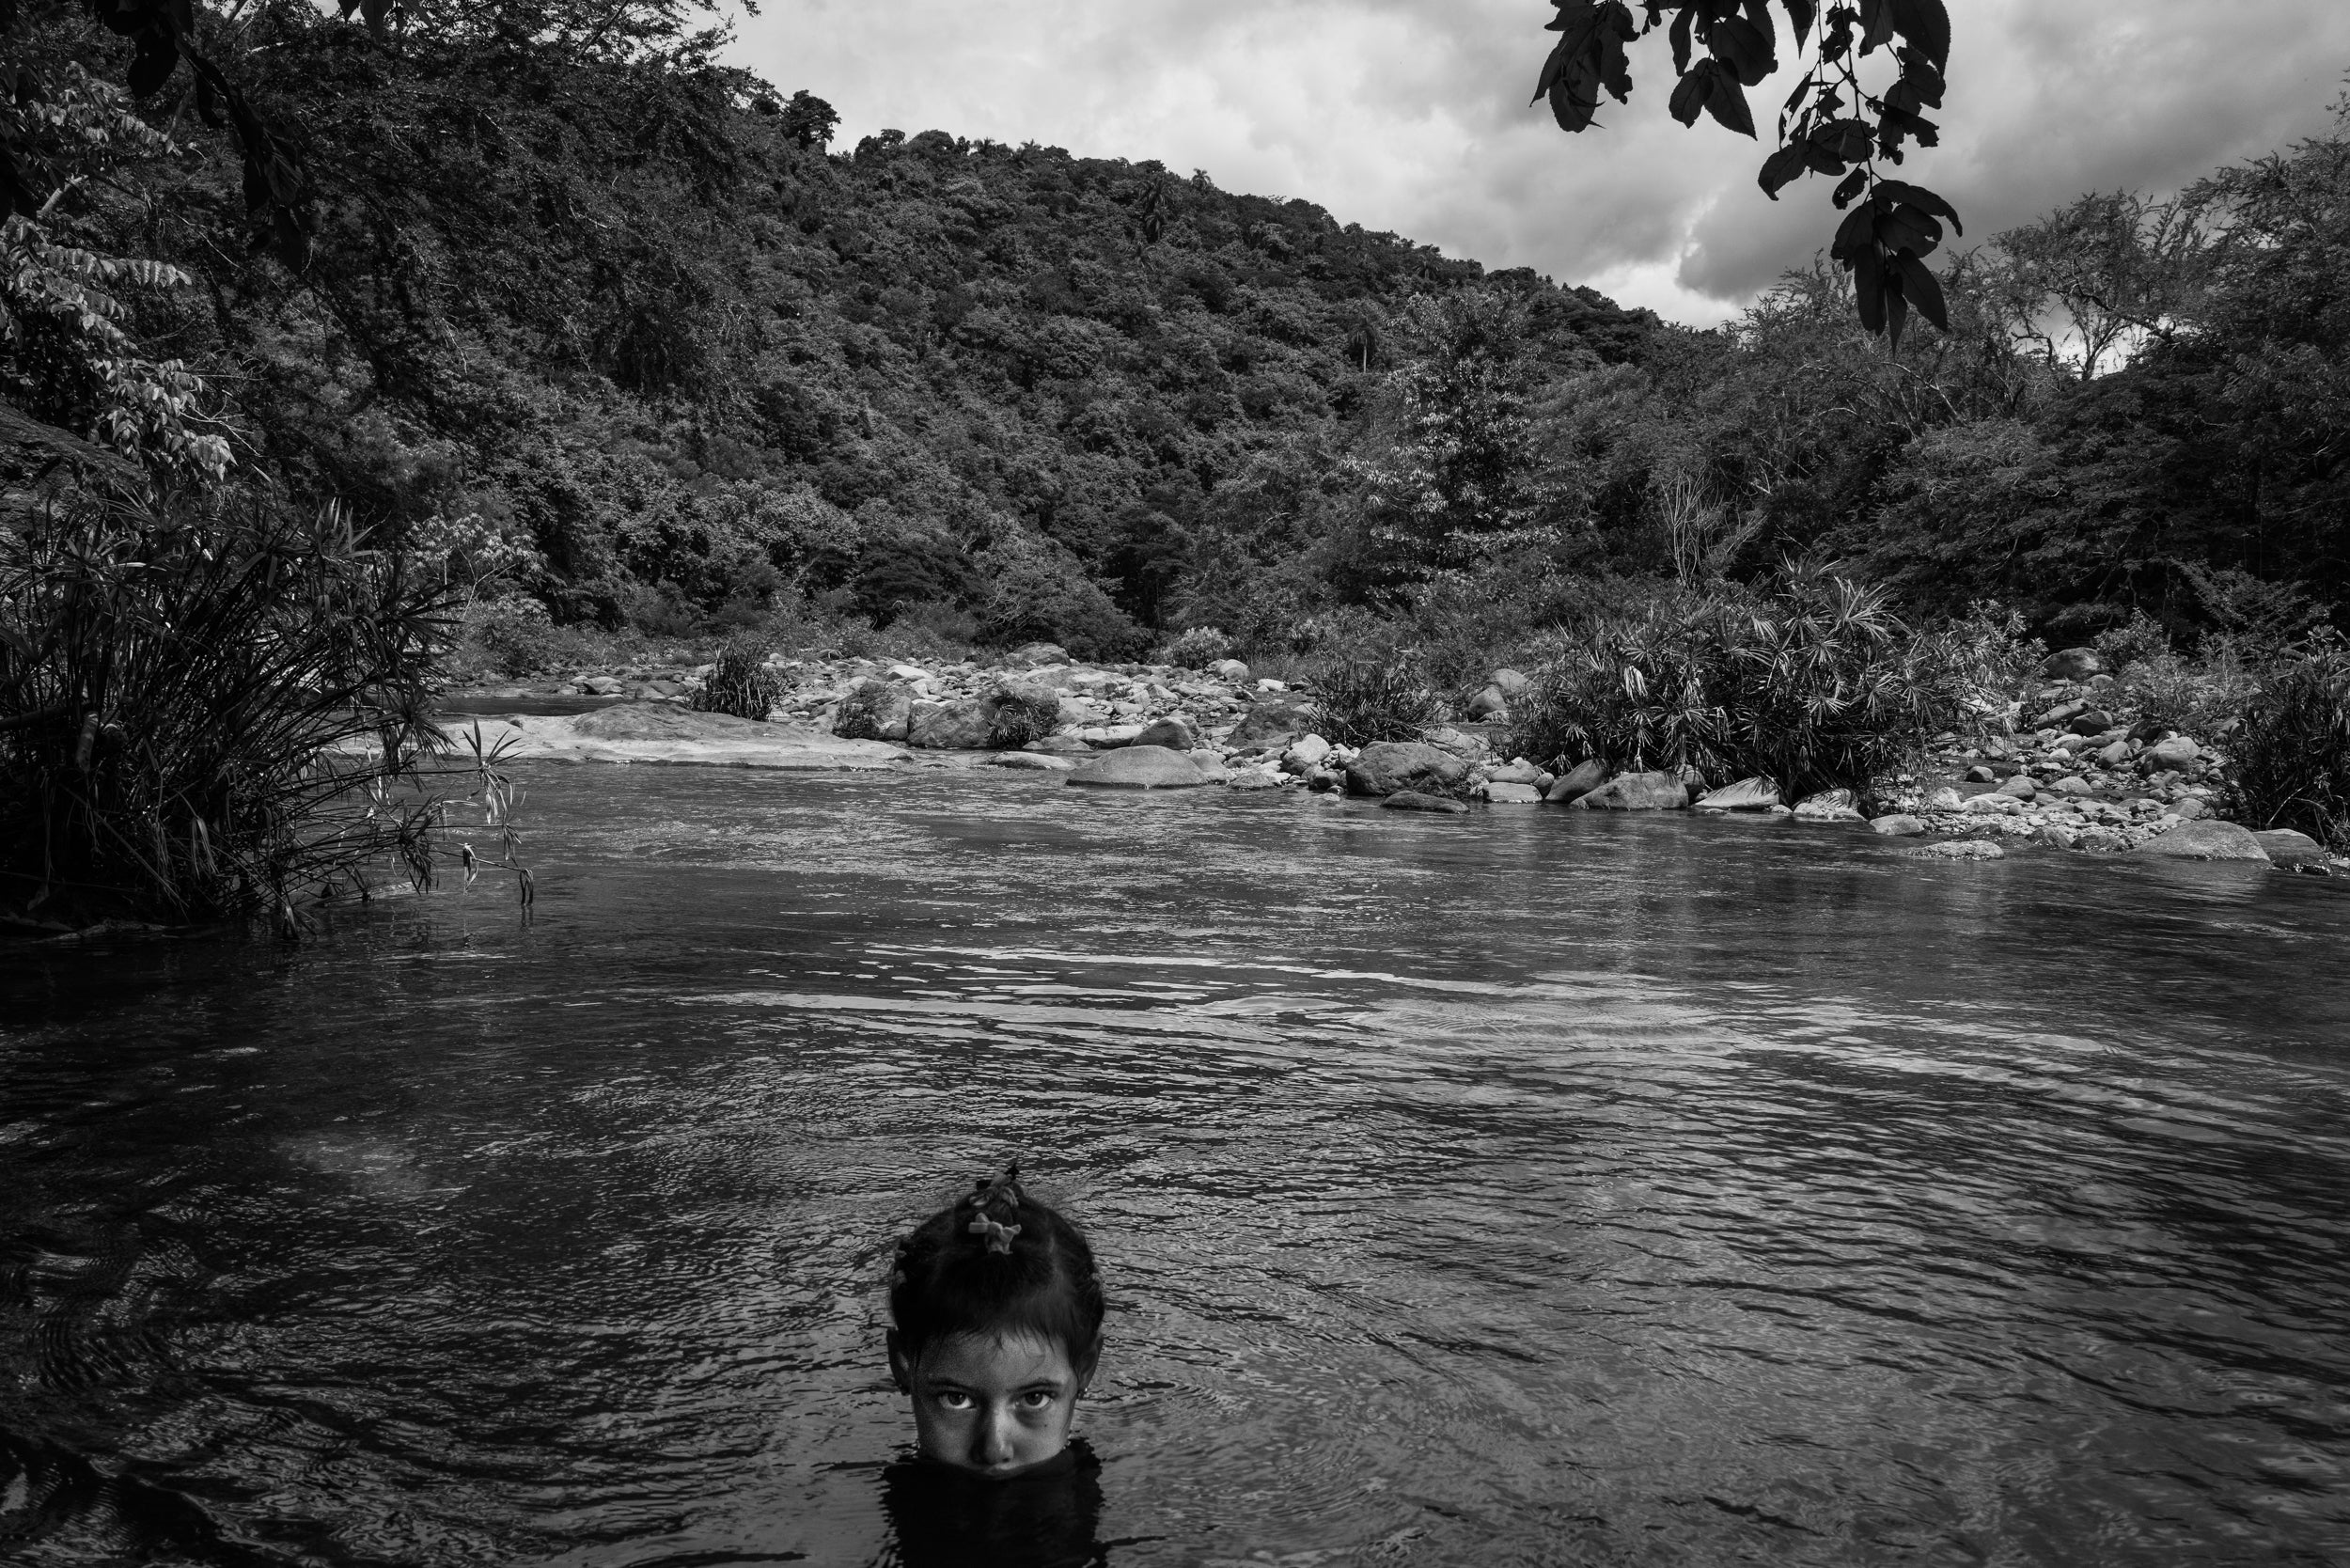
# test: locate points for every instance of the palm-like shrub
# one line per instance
(1814, 684)
(2293, 757)
(740, 683)
(1362, 700)
(216, 708)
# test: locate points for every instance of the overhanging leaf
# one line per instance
(1783, 167)
(1691, 93)
(1727, 103)
(1869, 287)
(1923, 289)
(1801, 12)
(1926, 24)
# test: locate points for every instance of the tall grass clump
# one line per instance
(2293, 754)
(740, 681)
(211, 709)
(1362, 700)
(1812, 682)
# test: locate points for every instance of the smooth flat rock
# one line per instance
(1512, 794)
(1387, 767)
(1577, 781)
(1032, 761)
(2284, 847)
(1900, 825)
(1639, 792)
(1411, 800)
(1958, 849)
(664, 732)
(2207, 840)
(1140, 767)
(1747, 794)
(1271, 726)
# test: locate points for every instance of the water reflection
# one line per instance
(941, 1518)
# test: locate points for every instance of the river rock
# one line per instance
(1576, 782)
(1515, 771)
(1387, 767)
(1958, 849)
(2116, 755)
(1059, 745)
(1252, 778)
(877, 710)
(1140, 767)
(1305, 755)
(601, 685)
(1900, 825)
(1034, 762)
(2056, 836)
(1412, 800)
(2022, 788)
(2073, 663)
(2192, 808)
(1829, 806)
(2062, 714)
(2074, 786)
(1512, 685)
(2284, 847)
(959, 726)
(1232, 670)
(1512, 794)
(1490, 703)
(1173, 733)
(2206, 840)
(1945, 800)
(1210, 762)
(1639, 792)
(2173, 755)
(1039, 653)
(1272, 726)
(1993, 805)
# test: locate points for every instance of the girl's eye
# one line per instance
(955, 1399)
(1037, 1399)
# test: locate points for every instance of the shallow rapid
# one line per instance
(1534, 1187)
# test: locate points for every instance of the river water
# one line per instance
(1529, 1187)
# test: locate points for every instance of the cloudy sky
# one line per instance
(1411, 115)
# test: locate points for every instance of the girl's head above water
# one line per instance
(997, 1326)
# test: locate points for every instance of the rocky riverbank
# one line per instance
(2075, 775)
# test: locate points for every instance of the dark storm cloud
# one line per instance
(1411, 115)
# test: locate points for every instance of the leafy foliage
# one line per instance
(1813, 684)
(2293, 757)
(740, 681)
(1361, 701)
(1831, 124)
(216, 710)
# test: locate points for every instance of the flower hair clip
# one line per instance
(998, 1235)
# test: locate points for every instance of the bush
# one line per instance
(740, 683)
(1359, 701)
(1814, 684)
(2201, 698)
(214, 712)
(2292, 757)
(1197, 648)
(518, 636)
(1039, 592)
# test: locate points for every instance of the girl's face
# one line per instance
(992, 1407)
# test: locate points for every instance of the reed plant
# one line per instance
(217, 707)
(2293, 753)
(740, 681)
(1810, 682)
(1373, 698)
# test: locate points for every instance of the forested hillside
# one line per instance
(615, 331)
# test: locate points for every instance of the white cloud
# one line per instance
(1410, 115)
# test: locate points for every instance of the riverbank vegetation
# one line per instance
(609, 344)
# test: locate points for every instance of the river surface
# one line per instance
(1530, 1188)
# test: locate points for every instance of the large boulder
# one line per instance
(1229, 669)
(1038, 653)
(1512, 794)
(1577, 781)
(1747, 794)
(2287, 848)
(1829, 806)
(1639, 792)
(1512, 683)
(1272, 726)
(1900, 825)
(2073, 663)
(1390, 767)
(1305, 755)
(1412, 800)
(1173, 733)
(1140, 767)
(2207, 840)
(2174, 755)
(1005, 717)
(877, 710)
(964, 724)
(1493, 703)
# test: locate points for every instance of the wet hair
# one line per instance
(999, 1263)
